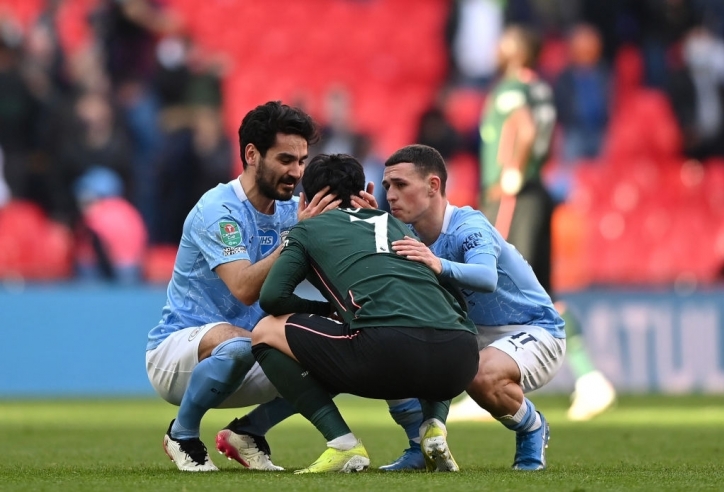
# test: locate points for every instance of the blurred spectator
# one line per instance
(582, 95)
(19, 114)
(111, 235)
(196, 154)
(556, 16)
(696, 91)
(44, 60)
(128, 31)
(187, 75)
(96, 140)
(663, 23)
(473, 29)
(434, 130)
(337, 134)
(194, 159)
(374, 167)
(615, 20)
(50, 80)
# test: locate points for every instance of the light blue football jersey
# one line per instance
(518, 298)
(222, 227)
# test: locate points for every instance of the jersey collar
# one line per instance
(236, 185)
(449, 209)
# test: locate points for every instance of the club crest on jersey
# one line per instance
(267, 240)
(230, 233)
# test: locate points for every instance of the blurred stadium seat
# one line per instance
(158, 264)
(463, 107)
(463, 180)
(632, 132)
(32, 247)
(571, 269)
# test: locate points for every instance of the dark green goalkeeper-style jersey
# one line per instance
(347, 255)
(506, 97)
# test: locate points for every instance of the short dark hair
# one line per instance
(344, 175)
(426, 160)
(261, 125)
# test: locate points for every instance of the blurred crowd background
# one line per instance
(117, 115)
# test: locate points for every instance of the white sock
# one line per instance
(343, 443)
(526, 419)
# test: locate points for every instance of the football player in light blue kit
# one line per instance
(199, 355)
(521, 335)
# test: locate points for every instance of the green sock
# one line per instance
(435, 410)
(303, 392)
(578, 358)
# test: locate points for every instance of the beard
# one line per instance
(269, 185)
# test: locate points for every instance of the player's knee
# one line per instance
(491, 377)
(260, 332)
(268, 330)
(483, 381)
(236, 349)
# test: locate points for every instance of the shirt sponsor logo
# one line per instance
(230, 233)
(267, 240)
(233, 251)
(472, 241)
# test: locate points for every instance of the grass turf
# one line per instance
(645, 443)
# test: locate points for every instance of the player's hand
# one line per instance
(366, 198)
(321, 202)
(414, 250)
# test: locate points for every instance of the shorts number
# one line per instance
(528, 337)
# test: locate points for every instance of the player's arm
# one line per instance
(244, 278)
(516, 142)
(479, 274)
(277, 294)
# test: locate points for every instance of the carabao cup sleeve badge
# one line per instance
(230, 233)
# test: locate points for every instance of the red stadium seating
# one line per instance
(32, 247)
(643, 126)
(158, 264)
(463, 108)
(463, 181)
(571, 269)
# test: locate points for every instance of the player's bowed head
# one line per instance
(342, 174)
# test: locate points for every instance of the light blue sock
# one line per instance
(408, 414)
(526, 419)
(212, 381)
(266, 416)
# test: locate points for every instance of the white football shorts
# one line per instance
(538, 354)
(169, 367)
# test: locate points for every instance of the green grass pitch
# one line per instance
(646, 443)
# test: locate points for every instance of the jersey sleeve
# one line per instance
(476, 245)
(220, 240)
(476, 237)
(277, 295)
